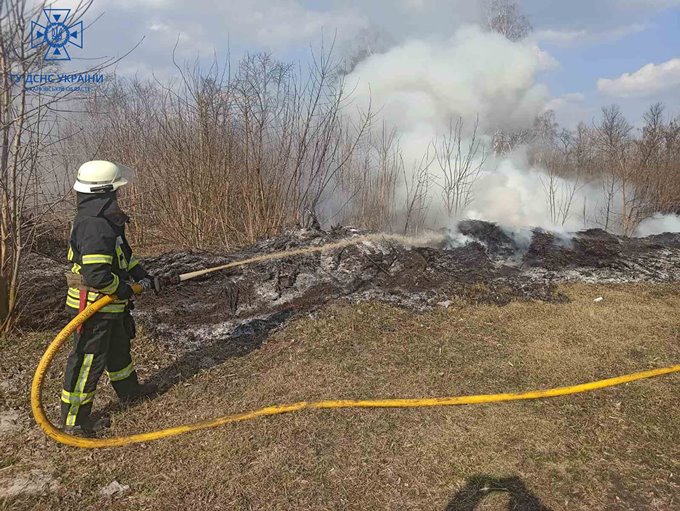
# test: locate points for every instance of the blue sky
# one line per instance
(590, 40)
(654, 38)
(582, 65)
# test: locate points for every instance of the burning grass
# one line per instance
(611, 449)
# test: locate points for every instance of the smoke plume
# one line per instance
(657, 224)
(420, 87)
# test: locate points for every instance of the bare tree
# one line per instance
(655, 170)
(29, 134)
(459, 161)
(564, 158)
(367, 184)
(505, 17)
(670, 199)
(416, 187)
(613, 138)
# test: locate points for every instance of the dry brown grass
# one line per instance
(611, 449)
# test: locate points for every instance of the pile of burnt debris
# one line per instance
(481, 263)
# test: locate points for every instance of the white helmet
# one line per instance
(99, 176)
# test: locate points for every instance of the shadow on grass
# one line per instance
(246, 338)
(479, 487)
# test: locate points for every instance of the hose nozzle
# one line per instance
(161, 282)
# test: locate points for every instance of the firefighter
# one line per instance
(103, 264)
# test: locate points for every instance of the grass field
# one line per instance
(617, 448)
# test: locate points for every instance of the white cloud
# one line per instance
(546, 62)
(649, 79)
(415, 5)
(563, 36)
(573, 37)
(188, 37)
(565, 101)
(571, 109)
(273, 24)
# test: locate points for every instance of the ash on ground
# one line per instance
(481, 263)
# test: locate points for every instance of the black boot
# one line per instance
(89, 427)
(145, 390)
(130, 391)
(85, 424)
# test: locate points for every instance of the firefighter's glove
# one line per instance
(124, 292)
(147, 284)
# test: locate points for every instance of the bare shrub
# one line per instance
(222, 158)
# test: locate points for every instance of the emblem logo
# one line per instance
(57, 34)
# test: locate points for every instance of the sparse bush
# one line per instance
(221, 160)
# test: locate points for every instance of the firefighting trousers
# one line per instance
(102, 345)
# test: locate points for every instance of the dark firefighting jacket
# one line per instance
(100, 254)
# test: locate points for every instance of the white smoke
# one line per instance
(515, 196)
(658, 224)
(419, 85)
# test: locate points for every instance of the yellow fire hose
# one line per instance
(94, 443)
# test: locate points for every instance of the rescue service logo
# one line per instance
(56, 35)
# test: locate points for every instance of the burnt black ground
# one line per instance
(486, 265)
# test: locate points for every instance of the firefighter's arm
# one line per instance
(98, 248)
(139, 273)
(142, 277)
(136, 270)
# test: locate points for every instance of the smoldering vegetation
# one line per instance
(478, 263)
